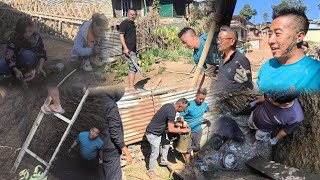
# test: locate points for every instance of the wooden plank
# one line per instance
(62, 118)
(275, 170)
(37, 157)
(27, 142)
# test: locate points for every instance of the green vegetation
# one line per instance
(156, 5)
(311, 43)
(290, 4)
(149, 57)
(246, 12)
(25, 175)
(265, 17)
(167, 37)
(185, 52)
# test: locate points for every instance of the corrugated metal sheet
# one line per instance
(112, 43)
(137, 109)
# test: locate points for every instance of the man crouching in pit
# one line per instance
(193, 117)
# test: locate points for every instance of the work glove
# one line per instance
(253, 103)
(241, 75)
(273, 141)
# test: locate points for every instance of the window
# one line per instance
(125, 5)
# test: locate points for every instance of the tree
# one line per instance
(265, 17)
(246, 12)
(246, 46)
(254, 15)
(290, 4)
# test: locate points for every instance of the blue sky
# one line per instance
(265, 6)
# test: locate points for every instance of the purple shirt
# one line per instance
(268, 117)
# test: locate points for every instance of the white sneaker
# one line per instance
(86, 65)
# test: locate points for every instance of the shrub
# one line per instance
(167, 37)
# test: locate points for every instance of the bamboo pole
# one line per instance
(204, 54)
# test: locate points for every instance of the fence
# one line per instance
(62, 20)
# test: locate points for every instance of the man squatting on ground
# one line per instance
(192, 41)
(156, 132)
(193, 116)
(89, 42)
(129, 44)
(24, 57)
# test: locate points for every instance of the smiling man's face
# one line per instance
(283, 37)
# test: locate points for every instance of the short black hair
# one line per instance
(183, 101)
(22, 25)
(282, 97)
(202, 91)
(132, 9)
(186, 30)
(303, 22)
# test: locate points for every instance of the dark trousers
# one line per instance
(110, 169)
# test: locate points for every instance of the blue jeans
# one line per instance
(27, 57)
(155, 141)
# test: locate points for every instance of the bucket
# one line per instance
(184, 141)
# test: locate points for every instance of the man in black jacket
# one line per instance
(112, 130)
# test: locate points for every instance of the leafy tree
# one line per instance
(290, 4)
(246, 46)
(265, 16)
(246, 12)
(156, 5)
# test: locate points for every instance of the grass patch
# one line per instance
(185, 52)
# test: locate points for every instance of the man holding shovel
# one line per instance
(128, 40)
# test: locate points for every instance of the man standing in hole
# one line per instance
(90, 143)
